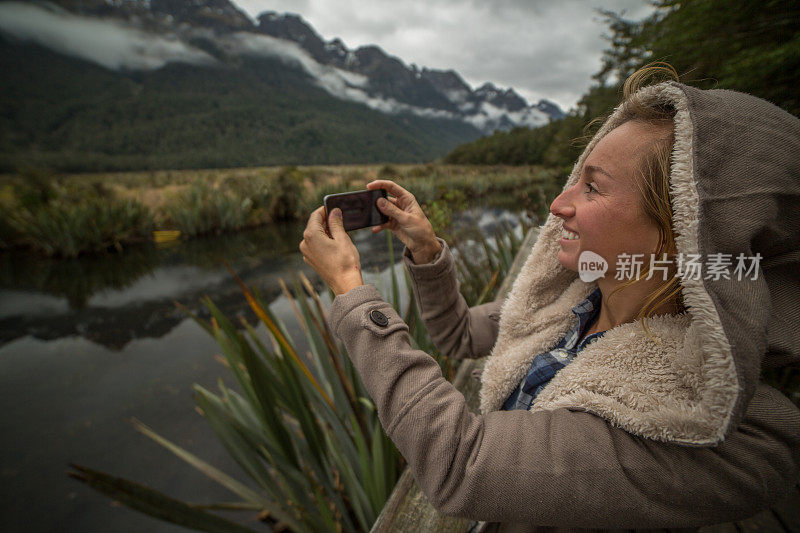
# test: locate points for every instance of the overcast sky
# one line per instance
(542, 48)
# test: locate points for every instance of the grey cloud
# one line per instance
(115, 45)
(542, 48)
(106, 43)
(351, 86)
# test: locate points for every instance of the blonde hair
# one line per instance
(652, 180)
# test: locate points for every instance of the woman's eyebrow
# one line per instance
(594, 169)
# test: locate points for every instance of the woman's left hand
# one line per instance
(334, 257)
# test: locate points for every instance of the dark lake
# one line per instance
(87, 344)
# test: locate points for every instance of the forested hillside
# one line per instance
(67, 114)
(748, 46)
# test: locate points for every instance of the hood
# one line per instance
(735, 189)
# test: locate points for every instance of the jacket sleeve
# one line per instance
(457, 330)
(559, 467)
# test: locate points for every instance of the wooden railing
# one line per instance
(408, 509)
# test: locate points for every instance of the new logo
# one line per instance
(591, 266)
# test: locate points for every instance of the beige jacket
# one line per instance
(634, 433)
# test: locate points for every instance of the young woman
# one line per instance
(630, 400)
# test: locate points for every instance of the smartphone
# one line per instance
(359, 208)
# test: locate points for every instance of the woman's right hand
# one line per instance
(407, 221)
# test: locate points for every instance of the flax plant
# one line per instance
(301, 426)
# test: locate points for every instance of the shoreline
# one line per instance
(67, 215)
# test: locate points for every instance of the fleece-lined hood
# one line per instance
(735, 189)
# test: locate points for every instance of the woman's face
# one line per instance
(603, 208)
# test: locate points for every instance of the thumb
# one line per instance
(335, 223)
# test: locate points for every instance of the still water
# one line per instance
(88, 344)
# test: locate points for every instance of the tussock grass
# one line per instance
(44, 214)
(64, 228)
(66, 215)
(202, 209)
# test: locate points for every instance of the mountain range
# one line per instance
(124, 84)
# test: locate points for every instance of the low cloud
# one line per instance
(108, 43)
(337, 82)
(116, 45)
(354, 87)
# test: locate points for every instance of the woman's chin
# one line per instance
(568, 261)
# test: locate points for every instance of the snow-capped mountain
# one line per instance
(216, 31)
(488, 107)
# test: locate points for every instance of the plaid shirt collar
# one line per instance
(547, 364)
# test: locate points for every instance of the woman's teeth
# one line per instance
(569, 235)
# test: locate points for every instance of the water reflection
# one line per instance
(73, 280)
(111, 299)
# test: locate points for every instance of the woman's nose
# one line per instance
(562, 206)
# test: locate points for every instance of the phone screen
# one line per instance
(359, 208)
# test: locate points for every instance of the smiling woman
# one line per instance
(590, 417)
(620, 208)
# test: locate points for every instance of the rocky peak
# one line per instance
(504, 99)
(372, 56)
(487, 89)
(336, 47)
(293, 28)
(551, 109)
(219, 15)
(389, 77)
(445, 80)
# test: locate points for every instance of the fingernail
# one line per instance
(337, 212)
(381, 202)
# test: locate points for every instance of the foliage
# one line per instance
(440, 211)
(68, 227)
(523, 146)
(287, 203)
(202, 209)
(216, 201)
(35, 188)
(149, 501)
(388, 172)
(484, 263)
(449, 189)
(752, 47)
(258, 189)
